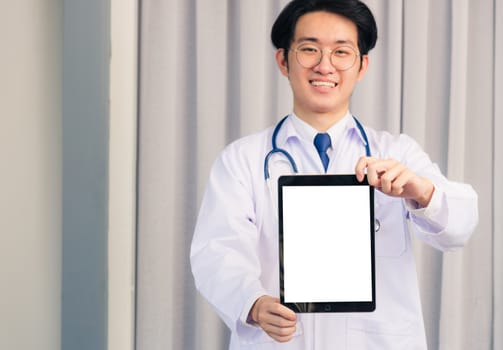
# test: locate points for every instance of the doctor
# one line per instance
(322, 48)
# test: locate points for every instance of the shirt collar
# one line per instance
(352, 125)
(296, 128)
(307, 133)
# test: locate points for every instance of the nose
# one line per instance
(325, 65)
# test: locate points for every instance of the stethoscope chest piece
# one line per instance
(377, 225)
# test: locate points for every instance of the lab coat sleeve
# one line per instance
(224, 257)
(452, 214)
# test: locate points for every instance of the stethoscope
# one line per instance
(276, 150)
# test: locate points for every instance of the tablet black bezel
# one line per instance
(326, 180)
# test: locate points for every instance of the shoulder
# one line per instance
(252, 143)
(387, 145)
(246, 153)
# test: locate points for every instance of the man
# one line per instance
(322, 48)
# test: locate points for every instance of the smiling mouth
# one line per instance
(328, 84)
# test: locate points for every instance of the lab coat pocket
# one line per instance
(390, 239)
(372, 334)
(260, 340)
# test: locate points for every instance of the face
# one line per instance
(322, 93)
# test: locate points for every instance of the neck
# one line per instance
(321, 121)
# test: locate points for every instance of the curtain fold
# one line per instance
(466, 320)
(497, 236)
(208, 76)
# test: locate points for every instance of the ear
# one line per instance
(363, 67)
(281, 62)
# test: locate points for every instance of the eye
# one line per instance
(309, 50)
(343, 52)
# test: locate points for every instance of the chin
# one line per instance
(325, 109)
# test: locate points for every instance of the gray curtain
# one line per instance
(208, 76)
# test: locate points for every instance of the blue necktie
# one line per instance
(322, 142)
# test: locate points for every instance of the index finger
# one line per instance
(285, 312)
(361, 167)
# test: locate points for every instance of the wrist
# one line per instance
(424, 199)
(253, 315)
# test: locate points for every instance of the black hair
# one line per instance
(356, 11)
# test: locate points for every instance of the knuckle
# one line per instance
(284, 339)
(283, 332)
(275, 308)
(283, 323)
(385, 177)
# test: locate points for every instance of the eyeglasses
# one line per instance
(341, 57)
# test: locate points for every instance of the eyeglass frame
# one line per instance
(330, 51)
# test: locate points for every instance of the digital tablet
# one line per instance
(326, 243)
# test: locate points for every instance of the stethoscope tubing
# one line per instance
(275, 149)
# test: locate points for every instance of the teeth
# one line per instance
(322, 83)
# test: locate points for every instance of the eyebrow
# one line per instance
(316, 40)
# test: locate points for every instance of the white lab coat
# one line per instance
(234, 253)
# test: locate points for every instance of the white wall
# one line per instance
(122, 174)
(30, 174)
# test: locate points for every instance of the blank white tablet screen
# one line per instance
(326, 244)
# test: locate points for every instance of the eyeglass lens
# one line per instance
(342, 57)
